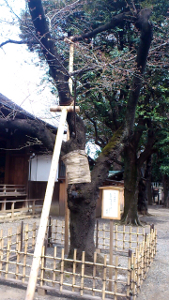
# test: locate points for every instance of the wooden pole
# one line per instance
(111, 255)
(46, 207)
(21, 235)
(59, 108)
(97, 234)
(66, 242)
(71, 56)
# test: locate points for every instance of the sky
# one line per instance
(20, 79)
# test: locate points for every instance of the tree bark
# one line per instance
(133, 178)
(130, 215)
(82, 207)
(142, 197)
(148, 180)
(166, 190)
(145, 188)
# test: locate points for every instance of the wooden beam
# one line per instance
(46, 207)
(60, 108)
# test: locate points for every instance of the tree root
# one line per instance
(144, 213)
(126, 220)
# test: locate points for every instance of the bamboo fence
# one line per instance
(91, 280)
(20, 208)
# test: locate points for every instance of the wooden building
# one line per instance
(20, 152)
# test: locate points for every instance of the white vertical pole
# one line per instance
(46, 209)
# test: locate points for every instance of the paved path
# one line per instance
(156, 285)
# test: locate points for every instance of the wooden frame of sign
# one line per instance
(112, 202)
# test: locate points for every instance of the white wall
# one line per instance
(39, 168)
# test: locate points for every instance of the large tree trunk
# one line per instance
(135, 182)
(148, 180)
(130, 215)
(166, 190)
(82, 221)
(142, 197)
(144, 187)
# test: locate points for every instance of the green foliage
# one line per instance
(108, 61)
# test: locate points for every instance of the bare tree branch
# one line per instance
(57, 70)
(115, 21)
(16, 42)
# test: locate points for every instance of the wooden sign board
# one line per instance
(112, 202)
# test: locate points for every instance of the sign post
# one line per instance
(112, 203)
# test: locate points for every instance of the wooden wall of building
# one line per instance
(16, 168)
(37, 189)
(62, 198)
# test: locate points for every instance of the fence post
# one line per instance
(155, 241)
(18, 260)
(97, 234)
(49, 243)
(104, 277)
(1, 249)
(134, 278)
(33, 208)
(74, 268)
(33, 235)
(41, 291)
(151, 227)
(62, 269)
(141, 265)
(21, 235)
(130, 292)
(115, 278)
(12, 210)
(82, 274)
(66, 242)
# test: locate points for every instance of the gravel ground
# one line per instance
(154, 287)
